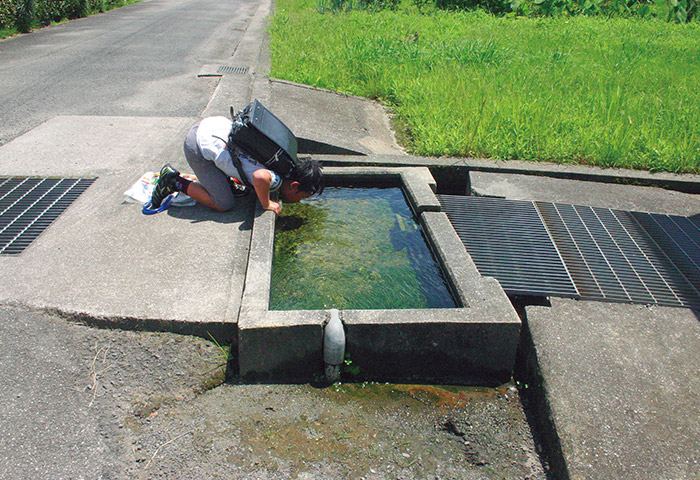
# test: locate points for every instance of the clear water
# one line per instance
(354, 248)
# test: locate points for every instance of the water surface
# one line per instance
(354, 248)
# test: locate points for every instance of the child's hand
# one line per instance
(261, 183)
(275, 207)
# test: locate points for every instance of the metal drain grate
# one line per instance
(679, 238)
(28, 205)
(508, 241)
(610, 255)
(232, 69)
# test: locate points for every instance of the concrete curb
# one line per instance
(238, 90)
(687, 183)
(620, 376)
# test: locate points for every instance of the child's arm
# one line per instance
(261, 183)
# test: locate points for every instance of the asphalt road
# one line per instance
(140, 60)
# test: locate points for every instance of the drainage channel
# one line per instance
(29, 205)
(562, 250)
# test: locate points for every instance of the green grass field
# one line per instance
(614, 92)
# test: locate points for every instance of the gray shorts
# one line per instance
(212, 179)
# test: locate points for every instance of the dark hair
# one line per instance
(309, 175)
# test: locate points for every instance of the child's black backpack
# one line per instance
(265, 138)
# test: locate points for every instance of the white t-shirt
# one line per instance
(214, 149)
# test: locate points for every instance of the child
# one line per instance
(207, 154)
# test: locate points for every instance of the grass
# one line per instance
(612, 92)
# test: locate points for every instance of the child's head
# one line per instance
(306, 180)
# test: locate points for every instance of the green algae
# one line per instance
(354, 248)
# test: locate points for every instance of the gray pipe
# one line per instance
(333, 346)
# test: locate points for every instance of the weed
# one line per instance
(335, 6)
(349, 367)
(225, 354)
(25, 15)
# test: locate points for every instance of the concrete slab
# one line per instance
(232, 91)
(210, 70)
(353, 123)
(103, 259)
(595, 194)
(237, 90)
(323, 121)
(687, 183)
(619, 383)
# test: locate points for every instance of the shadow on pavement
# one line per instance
(241, 213)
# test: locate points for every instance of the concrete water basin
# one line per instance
(472, 342)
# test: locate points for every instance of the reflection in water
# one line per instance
(354, 248)
(289, 222)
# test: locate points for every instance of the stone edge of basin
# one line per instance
(474, 343)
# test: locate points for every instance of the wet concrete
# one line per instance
(357, 431)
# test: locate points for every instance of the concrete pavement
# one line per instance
(616, 389)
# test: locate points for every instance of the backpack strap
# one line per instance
(231, 147)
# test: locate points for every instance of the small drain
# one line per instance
(29, 205)
(218, 70)
(231, 69)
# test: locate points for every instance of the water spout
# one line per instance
(333, 346)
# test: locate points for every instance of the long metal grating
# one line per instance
(28, 205)
(609, 255)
